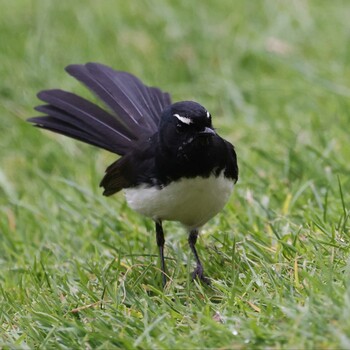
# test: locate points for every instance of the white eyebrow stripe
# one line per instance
(184, 120)
(208, 115)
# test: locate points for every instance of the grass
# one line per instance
(78, 270)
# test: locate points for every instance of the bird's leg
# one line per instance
(198, 272)
(160, 244)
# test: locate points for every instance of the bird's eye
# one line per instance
(179, 127)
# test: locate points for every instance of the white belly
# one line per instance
(190, 201)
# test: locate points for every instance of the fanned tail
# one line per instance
(134, 113)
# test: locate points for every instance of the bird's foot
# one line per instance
(198, 273)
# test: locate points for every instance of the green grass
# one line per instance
(78, 270)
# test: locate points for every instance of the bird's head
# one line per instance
(185, 128)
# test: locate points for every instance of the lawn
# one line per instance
(79, 270)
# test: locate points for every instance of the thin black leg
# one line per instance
(160, 243)
(198, 272)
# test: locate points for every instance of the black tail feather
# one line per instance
(52, 124)
(83, 110)
(125, 94)
(135, 109)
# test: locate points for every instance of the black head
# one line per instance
(185, 127)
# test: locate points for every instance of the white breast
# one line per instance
(190, 201)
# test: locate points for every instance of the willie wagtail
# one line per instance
(173, 164)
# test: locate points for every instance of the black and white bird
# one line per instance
(173, 165)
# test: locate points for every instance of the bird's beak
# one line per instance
(208, 131)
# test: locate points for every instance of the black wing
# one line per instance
(137, 167)
(231, 170)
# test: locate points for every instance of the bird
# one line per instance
(172, 164)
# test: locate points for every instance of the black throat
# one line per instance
(203, 158)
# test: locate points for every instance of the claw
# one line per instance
(198, 273)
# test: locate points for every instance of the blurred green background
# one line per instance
(275, 76)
